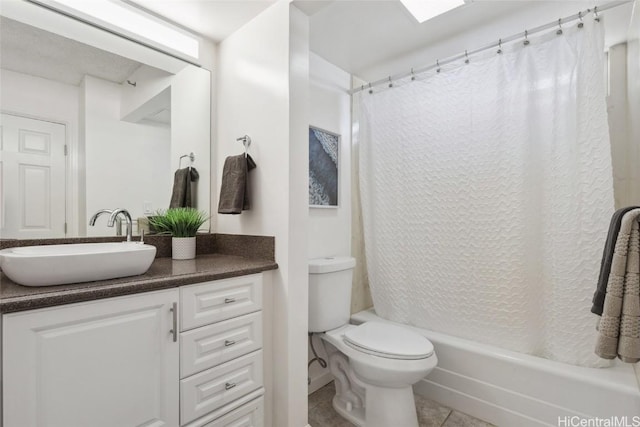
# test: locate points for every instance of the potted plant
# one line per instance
(182, 224)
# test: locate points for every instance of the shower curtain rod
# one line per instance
(498, 44)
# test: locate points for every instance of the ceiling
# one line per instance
(373, 39)
(39, 53)
(358, 35)
(213, 19)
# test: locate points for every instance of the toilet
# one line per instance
(374, 364)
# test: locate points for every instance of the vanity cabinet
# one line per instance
(189, 356)
(221, 363)
(106, 363)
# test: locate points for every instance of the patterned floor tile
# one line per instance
(323, 394)
(458, 419)
(430, 413)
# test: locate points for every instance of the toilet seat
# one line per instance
(388, 341)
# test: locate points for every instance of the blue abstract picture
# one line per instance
(323, 168)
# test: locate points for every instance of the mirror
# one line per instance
(85, 129)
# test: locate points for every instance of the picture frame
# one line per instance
(324, 168)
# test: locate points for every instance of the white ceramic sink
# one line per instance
(83, 262)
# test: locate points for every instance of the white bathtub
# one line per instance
(516, 390)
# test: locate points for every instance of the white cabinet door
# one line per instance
(106, 363)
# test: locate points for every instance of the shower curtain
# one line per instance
(486, 195)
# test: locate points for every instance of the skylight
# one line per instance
(424, 10)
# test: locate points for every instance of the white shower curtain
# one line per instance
(486, 196)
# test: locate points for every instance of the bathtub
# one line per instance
(509, 389)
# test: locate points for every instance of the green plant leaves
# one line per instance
(179, 222)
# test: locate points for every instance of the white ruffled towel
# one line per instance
(619, 327)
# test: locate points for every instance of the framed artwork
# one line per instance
(324, 147)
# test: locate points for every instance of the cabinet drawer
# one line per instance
(208, 346)
(209, 390)
(248, 415)
(211, 302)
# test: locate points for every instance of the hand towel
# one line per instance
(234, 189)
(607, 257)
(619, 326)
(181, 196)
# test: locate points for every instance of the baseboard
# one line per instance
(320, 381)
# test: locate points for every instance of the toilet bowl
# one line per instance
(374, 364)
(374, 367)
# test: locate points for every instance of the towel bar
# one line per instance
(191, 157)
(246, 141)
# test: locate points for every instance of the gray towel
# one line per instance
(619, 326)
(234, 189)
(181, 196)
(607, 257)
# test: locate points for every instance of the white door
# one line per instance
(32, 178)
(108, 363)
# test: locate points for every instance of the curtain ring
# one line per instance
(595, 13)
(499, 46)
(526, 37)
(413, 77)
(466, 55)
(438, 65)
(580, 24)
(559, 32)
(370, 89)
(390, 82)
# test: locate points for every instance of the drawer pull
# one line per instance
(174, 312)
(229, 386)
(227, 343)
(229, 300)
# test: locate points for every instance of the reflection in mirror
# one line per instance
(84, 129)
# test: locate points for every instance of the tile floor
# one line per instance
(430, 413)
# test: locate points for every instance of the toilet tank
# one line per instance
(329, 292)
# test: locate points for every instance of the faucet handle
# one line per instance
(142, 236)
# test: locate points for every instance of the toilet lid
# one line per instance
(390, 341)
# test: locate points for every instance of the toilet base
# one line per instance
(390, 407)
(355, 416)
(362, 397)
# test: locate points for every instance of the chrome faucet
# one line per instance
(95, 216)
(112, 219)
(127, 218)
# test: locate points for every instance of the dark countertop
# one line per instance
(164, 273)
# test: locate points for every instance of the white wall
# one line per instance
(330, 109)
(622, 150)
(126, 163)
(633, 99)
(330, 228)
(262, 85)
(23, 94)
(149, 82)
(190, 128)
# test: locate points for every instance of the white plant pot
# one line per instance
(183, 247)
